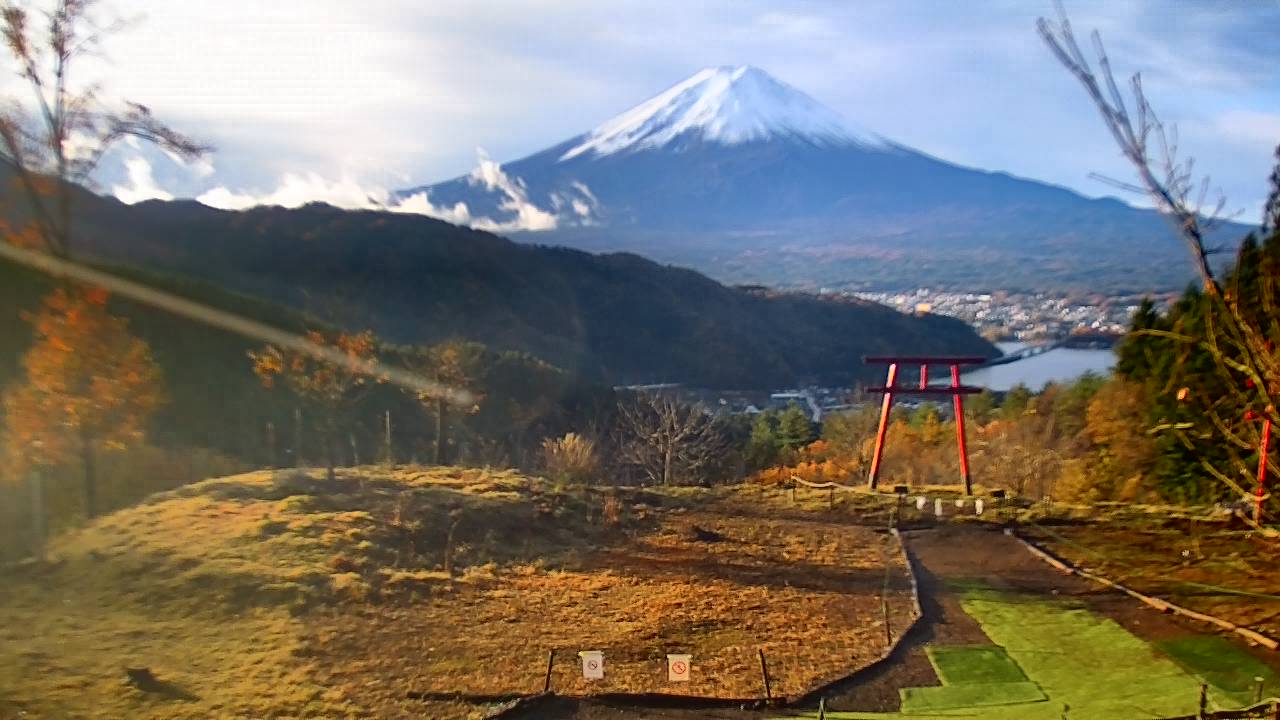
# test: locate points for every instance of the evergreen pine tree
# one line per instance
(794, 429)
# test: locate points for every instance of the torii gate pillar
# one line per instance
(891, 388)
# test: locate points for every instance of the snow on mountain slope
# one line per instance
(727, 105)
(748, 179)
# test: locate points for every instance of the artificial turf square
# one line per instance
(967, 664)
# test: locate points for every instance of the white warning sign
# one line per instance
(920, 501)
(977, 506)
(592, 664)
(937, 507)
(678, 667)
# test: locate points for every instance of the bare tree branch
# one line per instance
(37, 144)
(1238, 338)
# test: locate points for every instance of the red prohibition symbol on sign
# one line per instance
(678, 667)
(593, 664)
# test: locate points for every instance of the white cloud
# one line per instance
(142, 186)
(297, 189)
(1248, 127)
(528, 216)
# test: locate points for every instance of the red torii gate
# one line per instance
(955, 390)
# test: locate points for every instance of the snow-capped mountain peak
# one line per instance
(728, 105)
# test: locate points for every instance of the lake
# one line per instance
(1058, 365)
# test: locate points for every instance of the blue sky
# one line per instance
(328, 98)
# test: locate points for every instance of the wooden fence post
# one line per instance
(1204, 701)
(551, 658)
(386, 440)
(37, 515)
(764, 670)
(297, 437)
(271, 445)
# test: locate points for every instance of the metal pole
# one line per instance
(551, 657)
(958, 402)
(885, 406)
(1262, 469)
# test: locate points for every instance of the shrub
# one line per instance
(571, 458)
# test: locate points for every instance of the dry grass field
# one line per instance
(1220, 568)
(287, 596)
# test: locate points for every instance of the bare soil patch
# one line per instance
(805, 591)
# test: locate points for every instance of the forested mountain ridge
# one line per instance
(614, 318)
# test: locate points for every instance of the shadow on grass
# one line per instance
(144, 681)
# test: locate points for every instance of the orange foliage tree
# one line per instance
(90, 384)
(329, 387)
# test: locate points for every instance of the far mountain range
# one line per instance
(743, 177)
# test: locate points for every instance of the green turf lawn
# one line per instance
(969, 664)
(972, 676)
(1224, 665)
(1089, 664)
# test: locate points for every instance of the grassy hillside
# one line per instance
(616, 318)
(254, 596)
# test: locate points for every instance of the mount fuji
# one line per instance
(750, 180)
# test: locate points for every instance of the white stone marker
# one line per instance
(977, 506)
(937, 507)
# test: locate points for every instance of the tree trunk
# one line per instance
(90, 475)
(666, 466)
(440, 422)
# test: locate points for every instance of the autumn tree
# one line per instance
(89, 384)
(330, 384)
(1124, 450)
(451, 366)
(670, 442)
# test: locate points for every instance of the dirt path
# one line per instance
(950, 554)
